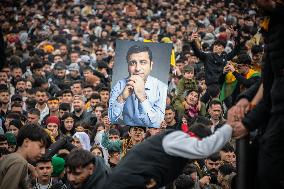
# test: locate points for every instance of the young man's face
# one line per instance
(35, 149)
(94, 101)
(44, 170)
(53, 105)
(4, 97)
(17, 73)
(215, 111)
(41, 97)
(33, 118)
(60, 73)
(192, 98)
(67, 97)
(3, 77)
(218, 49)
(88, 92)
(4, 144)
(243, 69)
(21, 86)
(136, 133)
(228, 157)
(104, 96)
(188, 75)
(140, 64)
(76, 88)
(80, 175)
(169, 116)
(74, 57)
(113, 138)
(212, 164)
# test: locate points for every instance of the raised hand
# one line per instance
(138, 87)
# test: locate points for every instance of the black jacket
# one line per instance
(213, 63)
(146, 161)
(273, 75)
(99, 177)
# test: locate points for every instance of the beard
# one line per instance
(41, 102)
(21, 90)
(77, 109)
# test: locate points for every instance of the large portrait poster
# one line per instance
(139, 83)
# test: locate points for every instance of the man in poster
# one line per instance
(139, 99)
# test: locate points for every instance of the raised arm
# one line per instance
(181, 144)
(116, 104)
(200, 54)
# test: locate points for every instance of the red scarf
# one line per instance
(184, 128)
(192, 112)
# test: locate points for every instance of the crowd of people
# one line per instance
(55, 87)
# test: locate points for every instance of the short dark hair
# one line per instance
(228, 148)
(13, 115)
(3, 138)
(79, 158)
(34, 111)
(184, 181)
(87, 68)
(170, 108)
(67, 91)
(53, 98)
(203, 120)
(44, 159)
(104, 89)
(214, 157)
(137, 49)
(42, 90)
(215, 101)
(21, 79)
(35, 133)
(87, 85)
(220, 43)
(4, 88)
(95, 96)
(16, 104)
(200, 130)
(113, 131)
(65, 107)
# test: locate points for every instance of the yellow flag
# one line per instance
(173, 58)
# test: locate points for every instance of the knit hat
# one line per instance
(74, 67)
(11, 138)
(58, 165)
(53, 119)
(188, 68)
(60, 66)
(16, 123)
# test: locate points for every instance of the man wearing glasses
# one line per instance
(139, 99)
